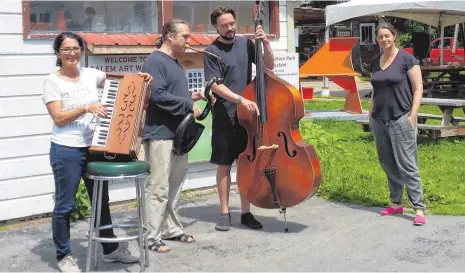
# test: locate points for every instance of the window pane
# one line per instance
(245, 17)
(94, 16)
(197, 14)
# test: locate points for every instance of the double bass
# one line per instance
(277, 169)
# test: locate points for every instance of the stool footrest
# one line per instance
(122, 225)
(120, 239)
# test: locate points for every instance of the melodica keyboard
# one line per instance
(118, 136)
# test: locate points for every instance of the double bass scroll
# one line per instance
(277, 169)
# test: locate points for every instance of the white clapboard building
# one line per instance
(27, 30)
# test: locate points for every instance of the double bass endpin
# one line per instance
(283, 211)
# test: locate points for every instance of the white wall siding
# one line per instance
(16, 45)
(21, 167)
(10, 6)
(20, 126)
(11, 23)
(26, 179)
(20, 85)
(27, 64)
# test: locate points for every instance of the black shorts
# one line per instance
(229, 140)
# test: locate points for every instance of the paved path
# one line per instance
(324, 236)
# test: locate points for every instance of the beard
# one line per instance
(230, 35)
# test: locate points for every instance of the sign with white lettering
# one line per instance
(286, 67)
(117, 63)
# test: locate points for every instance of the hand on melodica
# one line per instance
(99, 110)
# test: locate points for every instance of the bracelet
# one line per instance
(238, 99)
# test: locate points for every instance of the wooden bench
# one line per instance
(423, 117)
(442, 83)
(443, 102)
(432, 130)
(443, 88)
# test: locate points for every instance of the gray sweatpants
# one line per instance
(163, 188)
(396, 143)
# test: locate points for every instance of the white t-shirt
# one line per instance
(77, 133)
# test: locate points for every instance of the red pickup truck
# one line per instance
(449, 56)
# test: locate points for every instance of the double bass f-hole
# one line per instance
(254, 153)
(286, 145)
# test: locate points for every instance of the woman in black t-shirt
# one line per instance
(396, 98)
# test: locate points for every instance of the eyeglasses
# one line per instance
(68, 50)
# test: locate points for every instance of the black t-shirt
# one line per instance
(392, 89)
(239, 56)
(170, 99)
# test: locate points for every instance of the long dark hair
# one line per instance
(168, 28)
(59, 40)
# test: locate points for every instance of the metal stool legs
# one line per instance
(94, 232)
(143, 240)
(96, 206)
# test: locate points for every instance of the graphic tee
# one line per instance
(77, 133)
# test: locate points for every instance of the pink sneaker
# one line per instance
(419, 220)
(391, 211)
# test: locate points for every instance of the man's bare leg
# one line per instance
(223, 182)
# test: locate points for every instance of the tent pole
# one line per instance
(325, 89)
(441, 51)
(456, 36)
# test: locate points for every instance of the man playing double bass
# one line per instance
(229, 139)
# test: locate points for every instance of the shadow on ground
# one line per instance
(46, 251)
(211, 214)
(373, 209)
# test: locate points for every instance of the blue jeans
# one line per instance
(68, 166)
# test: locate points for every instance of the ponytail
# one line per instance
(168, 28)
(159, 42)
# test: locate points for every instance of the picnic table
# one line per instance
(449, 125)
(443, 81)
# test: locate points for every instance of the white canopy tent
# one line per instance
(437, 13)
(431, 12)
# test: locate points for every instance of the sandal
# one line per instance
(183, 238)
(156, 245)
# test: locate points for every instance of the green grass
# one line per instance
(337, 103)
(351, 170)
